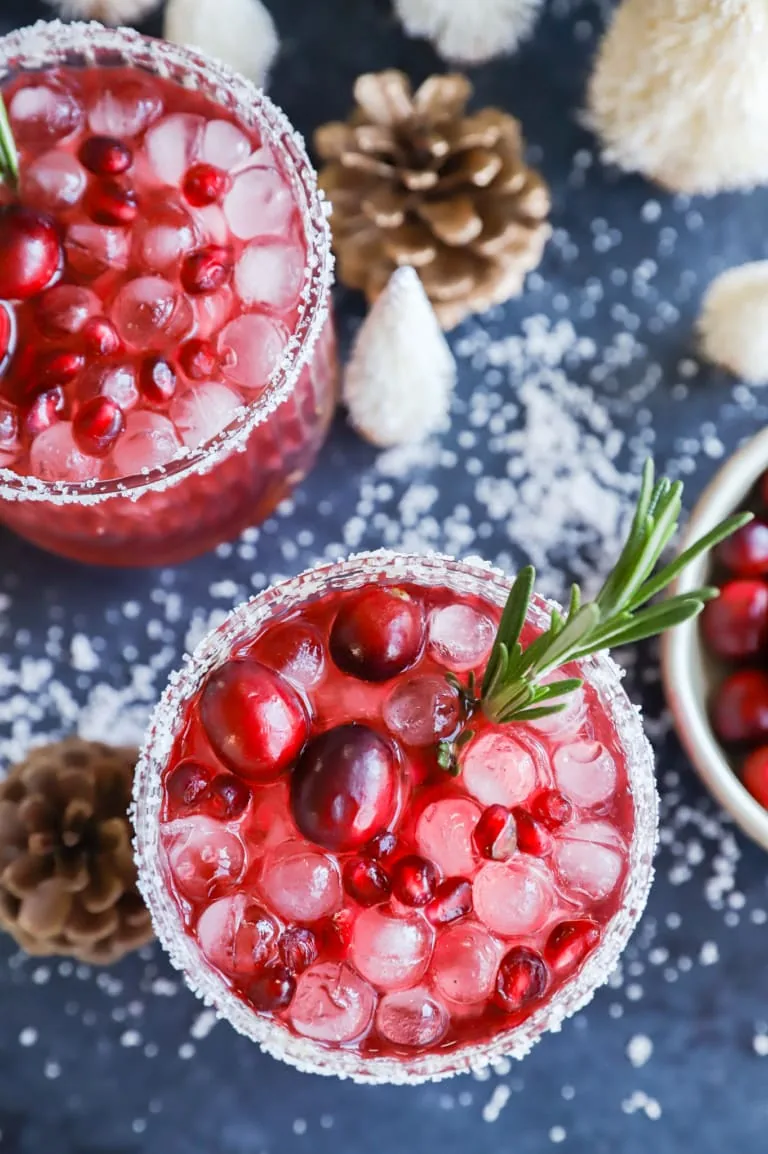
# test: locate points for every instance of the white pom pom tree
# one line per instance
(240, 33)
(469, 31)
(679, 92)
(107, 11)
(733, 325)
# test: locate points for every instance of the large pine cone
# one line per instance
(414, 180)
(67, 874)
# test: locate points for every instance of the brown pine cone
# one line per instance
(414, 180)
(67, 874)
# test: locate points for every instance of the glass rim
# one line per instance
(274, 1037)
(52, 42)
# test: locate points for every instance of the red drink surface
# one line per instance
(360, 894)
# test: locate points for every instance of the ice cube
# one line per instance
(498, 770)
(162, 237)
(444, 834)
(460, 637)
(94, 248)
(65, 308)
(10, 445)
(211, 223)
(43, 112)
(148, 442)
(224, 144)
(260, 203)
(124, 106)
(391, 951)
(272, 823)
(591, 859)
(564, 725)
(421, 710)
(356, 701)
(301, 884)
(173, 144)
(270, 274)
(251, 348)
(585, 772)
(412, 1018)
(332, 1004)
(513, 898)
(212, 311)
(54, 456)
(52, 182)
(150, 313)
(203, 856)
(465, 964)
(236, 934)
(116, 381)
(203, 411)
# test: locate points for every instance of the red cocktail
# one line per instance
(168, 361)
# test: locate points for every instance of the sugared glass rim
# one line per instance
(53, 43)
(461, 577)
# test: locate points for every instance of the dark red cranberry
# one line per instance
(755, 775)
(186, 786)
(7, 335)
(569, 943)
(205, 184)
(735, 625)
(206, 270)
(745, 552)
(414, 880)
(254, 720)
(46, 409)
(197, 359)
(99, 337)
(157, 381)
(97, 425)
(495, 835)
(377, 634)
(452, 900)
(344, 788)
(366, 881)
(382, 846)
(740, 707)
(273, 989)
(110, 202)
(228, 797)
(297, 949)
(31, 255)
(532, 837)
(522, 978)
(552, 809)
(58, 367)
(105, 155)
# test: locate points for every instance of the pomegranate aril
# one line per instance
(228, 797)
(157, 381)
(335, 934)
(197, 359)
(532, 837)
(97, 425)
(552, 809)
(745, 553)
(452, 900)
(377, 634)
(754, 774)
(186, 787)
(46, 409)
(105, 155)
(735, 625)
(740, 708)
(59, 367)
(205, 184)
(99, 337)
(206, 270)
(569, 943)
(366, 881)
(273, 989)
(495, 835)
(382, 846)
(110, 202)
(31, 256)
(297, 949)
(522, 977)
(7, 335)
(414, 880)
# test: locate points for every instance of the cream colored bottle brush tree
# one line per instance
(469, 31)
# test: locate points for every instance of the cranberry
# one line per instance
(186, 786)
(452, 900)
(7, 335)
(31, 256)
(414, 879)
(206, 270)
(157, 381)
(736, 624)
(495, 835)
(377, 634)
(755, 775)
(335, 934)
(59, 367)
(105, 155)
(273, 989)
(293, 649)
(382, 846)
(745, 552)
(297, 949)
(197, 359)
(740, 708)
(344, 788)
(46, 409)
(522, 977)
(99, 336)
(532, 837)
(552, 809)
(569, 943)
(110, 202)
(205, 184)
(97, 425)
(254, 720)
(228, 796)
(366, 881)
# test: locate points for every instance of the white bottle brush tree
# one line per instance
(469, 31)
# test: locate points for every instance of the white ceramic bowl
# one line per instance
(691, 675)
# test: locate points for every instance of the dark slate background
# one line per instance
(111, 1064)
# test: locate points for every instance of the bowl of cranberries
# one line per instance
(716, 667)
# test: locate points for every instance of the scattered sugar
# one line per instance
(639, 1050)
(203, 1024)
(709, 954)
(760, 1045)
(640, 1102)
(496, 1103)
(557, 1134)
(28, 1036)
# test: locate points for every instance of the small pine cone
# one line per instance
(67, 874)
(415, 180)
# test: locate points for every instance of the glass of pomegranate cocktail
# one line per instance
(167, 357)
(394, 830)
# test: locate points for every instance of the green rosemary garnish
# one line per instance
(9, 156)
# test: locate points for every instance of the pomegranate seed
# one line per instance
(100, 338)
(198, 359)
(552, 809)
(186, 786)
(31, 256)
(273, 989)
(452, 900)
(745, 552)
(740, 709)
(297, 949)
(97, 425)
(522, 977)
(495, 835)
(532, 837)
(110, 202)
(736, 624)
(755, 775)
(377, 634)
(569, 943)
(228, 796)
(105, 156)
(205, 184)
(157, 381)
(9, 428)
(46, 409)
(7, 335)
(59, 367)
(206, 270)
(366, 881)
(382, 846)
(414, 879)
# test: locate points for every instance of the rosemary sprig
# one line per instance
(9, 156)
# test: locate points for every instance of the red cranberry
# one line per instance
(297, 949)
(105, 156)
(293, 648)
(344, 788)
(740, 708)
(414, 879)
(552, 809)
(254, 720)
(382, 846)
(228, 797)
(110, 202)
(273, 989)
(736, 624)
(31, 256)
(335, 935)
(495, 835)
(745, 552)
(59, 367)
(452, 900)
(569, 943)
(377, 634)
(198, 359)
(99, 337)
(46, 409)
(206, 270)
(97, 425)
(532, 837)
(205, 184)
(755, 775)
(7, 335)
(522, 977)
(186, 786)
(157, 381)
(366, 881)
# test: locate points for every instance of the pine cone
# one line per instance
(67, 874)
(414, 180)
